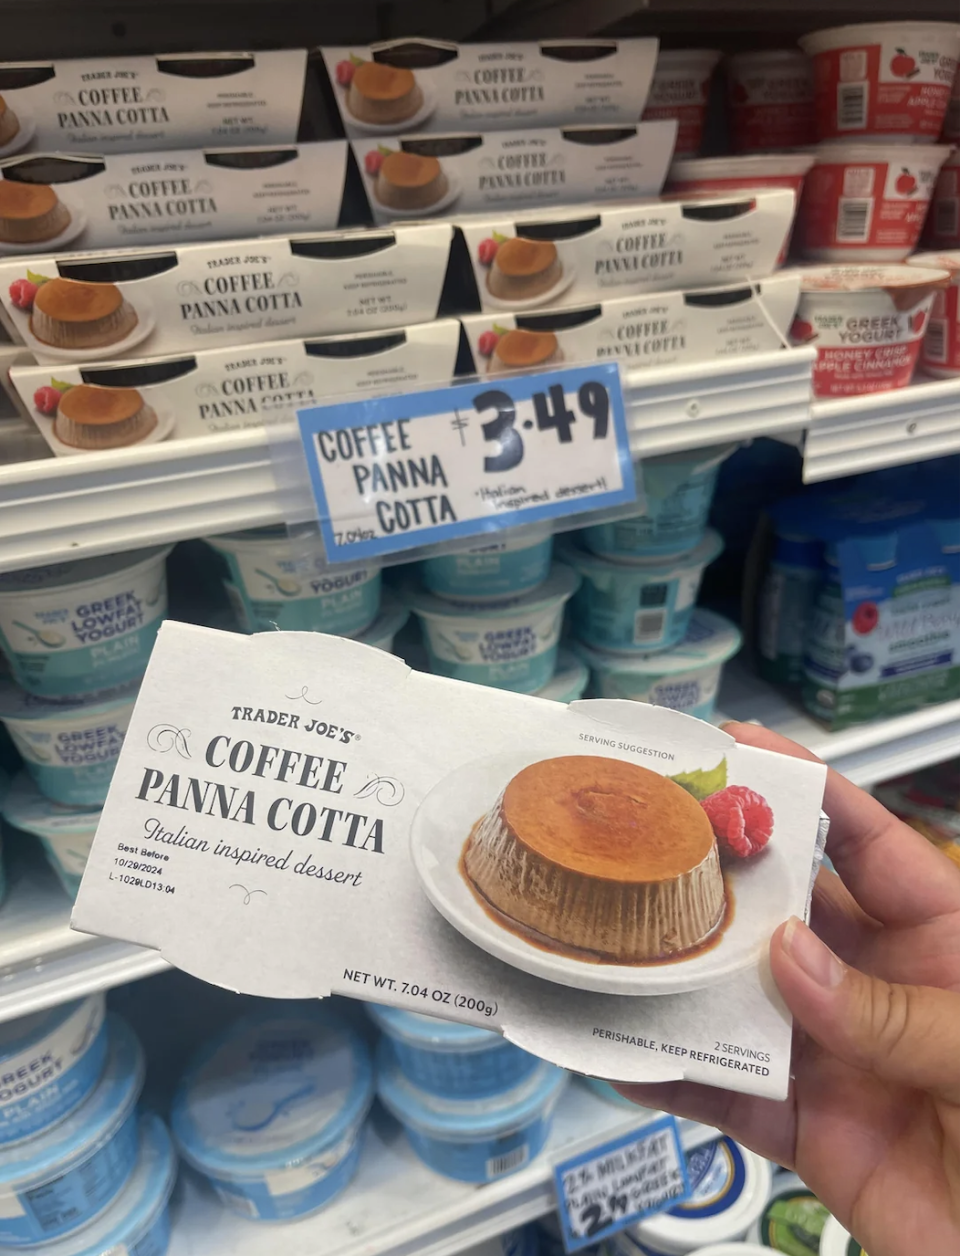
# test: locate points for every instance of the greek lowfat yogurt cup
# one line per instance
(940, 351)
(867, 324)
(391, 618)
(275, 581)
(770, 100)
(685, 678)
(637, 607)
(63, 1178)
(506, 645)
(76, 628)
(66, 832)
(505, 566)
(569, 680)
(942, 227)
(864, 203)
(279, 1142)
(792, 1219)
(473, 1140)
(49, 1063)
(836, 1241)
(70, 748)
(883, 80)
(449, 1059)
(681, 89)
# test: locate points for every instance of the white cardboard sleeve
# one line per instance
(249, 291)
(141, 104)
(515, 170)
(500, 87)
(234, 389)
(293, 826)
(659, 329)
(177, 197)
(619, 250)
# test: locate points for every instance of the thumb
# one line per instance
(905, 1035)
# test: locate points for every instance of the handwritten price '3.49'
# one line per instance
(552, 414)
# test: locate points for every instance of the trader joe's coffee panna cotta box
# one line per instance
(598, 882)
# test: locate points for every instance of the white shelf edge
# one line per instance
(101, 965)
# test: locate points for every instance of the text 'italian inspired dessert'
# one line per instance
(89, 417)
(519, 350)
(524, 268)
(383, 94)
(599, 859)
(409, 181)
(30, 212)
(69, 314)
(9, 123)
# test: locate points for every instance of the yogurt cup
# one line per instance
(951, 122)
(137, 1223)
(867, 324)
(66, 832)
(734, 1249)
(940, 351)
(274, 581)
(70, 748)
(76, 628)
(685, 678)
(883, 80)
(49, 1063)
(63, 1178)
(507, 645)
(637, 608)
(836, 1241)
(679, 490)
(770, 100)
(280, 1143)
(449, 1059)
(862, 203)
(473, 1140)
(390, 619)
(568, 681)
(509, 565)
(681, 90)
(792, 1218)
(942, 227)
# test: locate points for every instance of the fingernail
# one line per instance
(809, 953)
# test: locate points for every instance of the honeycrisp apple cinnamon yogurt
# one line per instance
(770, 100)
(681, 90)
(940, 352)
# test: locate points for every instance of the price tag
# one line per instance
(613, 1186)
(394, 473)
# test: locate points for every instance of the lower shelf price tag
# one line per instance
(613, 1186)
(394, 473)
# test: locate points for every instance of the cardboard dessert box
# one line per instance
(402, 86)
(424, 175)
(316, 818)
(592, 253)
(175, 197)
(225, 390)
(202, 296)
(141, 104)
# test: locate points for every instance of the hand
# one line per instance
(872, 1121)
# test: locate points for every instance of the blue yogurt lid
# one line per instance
(710, 640)
(561, 584)
(26, 808)
(652, 568)
(429, 1032)
(16, 703)
(568, 681)
(26, 1031)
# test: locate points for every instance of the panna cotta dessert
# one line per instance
(9, 123)
(383, 94)
(600, 859)
(90, 417)
(523, 269)
(409, 181)
(69, 314)
(30, 212)
(521, 350)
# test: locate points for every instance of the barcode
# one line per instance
(648, 625)
(946, 218)
(510, 1160)
(851, 106)
(854, 220)
(935, 343)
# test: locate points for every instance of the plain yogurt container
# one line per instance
(84, 626)
(681, 90)
(940, 351)
(49, 1063)
(568, 681)
(770, 100)
(792, 1218)
(66, 832)
(864, 203)
(64, 1177)
(678, 489)
(637, 607)
(506, 566)
(473, 1140)
(836, 1241)
(507, 645)
(942, 227)
(271, 1110)
(390, 619)
(883, 80)
(450, 1059)
(70, 748)
(685, 678)
(867, 324)
(275, 581)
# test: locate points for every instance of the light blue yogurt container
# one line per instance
(137, 1223)
(81, 627)
(275, 581)
(568, 681)
(444, 1058)
(49, 1063)
(685, 678)
(63, 1178)
(70, 747)
(637, 608)
(679, 490)
(505, 566)
(472, 1140)
(507, 645)
(391, 618)
(271, 1111)
(66, 832)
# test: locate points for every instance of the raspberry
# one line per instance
(372, 162)
(487, 251)
(741, 819)
(487, 343)
(22, 293)
(46, 399)
(344, 72)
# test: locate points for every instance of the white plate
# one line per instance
(413, 123)
(454, 188)
(145, 325)
(22, 137)
(490, 302)
(761, 891)
(78, 221)
(165, 425)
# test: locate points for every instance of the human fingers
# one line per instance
(837, 918)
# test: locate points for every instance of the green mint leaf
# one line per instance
(33, 277)
(61, 385)
(702, 784)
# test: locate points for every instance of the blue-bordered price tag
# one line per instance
(610, 1187)
(394, 473)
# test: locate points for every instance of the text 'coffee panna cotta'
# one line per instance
(523, 269)
(68, 314)
(89, 417)
(30, 212)
(599, 859)
(383, 94)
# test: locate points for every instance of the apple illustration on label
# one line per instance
(906, 184)
(865, 618)
(917, 319)
(902, 65)
(802, 330)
